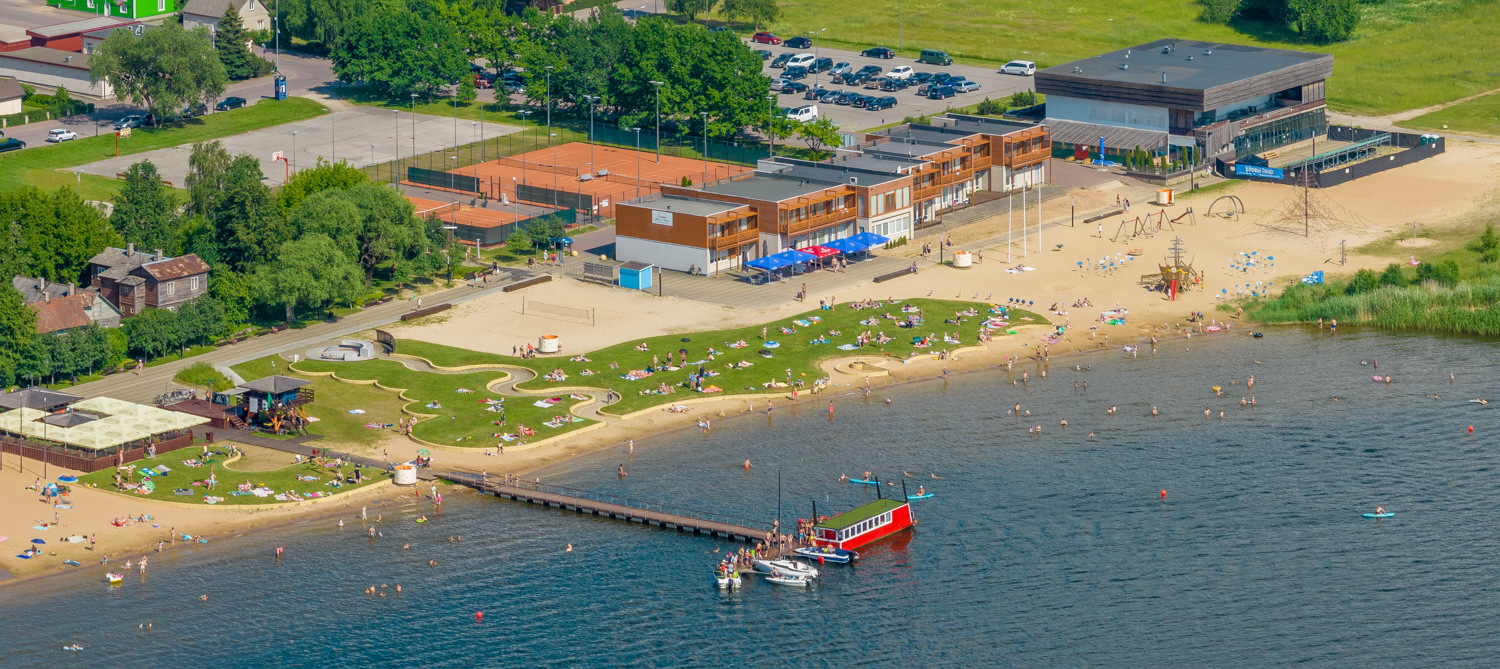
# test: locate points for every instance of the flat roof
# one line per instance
(980, 125)
(684, 205)
(41, 54)
(117, 423)
(838, 174)
(77, 27)
(860, 514)
(921, 134)
(36, 398)
(767, 188)
(1189, 64)
(904, 151)
(864, 161)
(10, 33)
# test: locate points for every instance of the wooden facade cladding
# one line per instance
(721, 230)
(836, 204)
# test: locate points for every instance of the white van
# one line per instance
(900, 72)
(1023, 68)
(805, 114)
(802, 60)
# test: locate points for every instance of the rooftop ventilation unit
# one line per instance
(1124, 66)
(1077, 69)
(1190, 57)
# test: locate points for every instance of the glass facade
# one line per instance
(1281, 132)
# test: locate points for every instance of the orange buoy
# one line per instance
(479, 616)
(1163, 494)
(1471, 429)
(820, 559)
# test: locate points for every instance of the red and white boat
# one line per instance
(862, 525)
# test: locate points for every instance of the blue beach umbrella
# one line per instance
(38, 541)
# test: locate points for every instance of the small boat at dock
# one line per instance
(828, 553)
(785, 568)
(795, 581)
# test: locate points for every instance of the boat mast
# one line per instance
(778, 506)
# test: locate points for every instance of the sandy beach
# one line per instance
(1453, 191)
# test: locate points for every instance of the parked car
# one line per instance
(800, 42)
(11, 144)
(830, 97)
(841, 68)
(966, 86)
(1024, 68)
(920, 77)
(229, 103)
(778, 84)
(802, 60)
(193, 110)
(940, 92)
(901, 72)
(861, 101)
(720, 29)
(765, 38)
(873, 70)
(60, 135)
(814, 93)
(889, 84)
(804, 114)
(782, 59)
(793, 87)
(763, 53)
(875, 83)
(131, 121)
(821, 65)
(794, 72)
(856, 78)
(883, 102)
(845, 97)
(935, 57)
(878, 52)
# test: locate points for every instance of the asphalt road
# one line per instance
(992, 85)
(306, 76)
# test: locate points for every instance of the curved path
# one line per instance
(514, 374)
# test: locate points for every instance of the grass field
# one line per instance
(41, 166)
(1480, 116)
(1406, 54)
(184, 476)
(799, 349)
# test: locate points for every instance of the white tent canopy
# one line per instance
(119, 423)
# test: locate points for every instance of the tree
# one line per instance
(1364, 281)
(692, 8)
(233, 46)
(1323, 21)
(317, 179)
(372, 224)
(520, 241)
(819, 133)
(62, 102)
(1217, 11)
(310, 272)
(1392, 276)
(1443, 272)
(207, 165)
(702, 72)
(323, 21)
(58, 230)
(163, 70)
(1488, 244)
(234, 294)
(401, 47)
(146, 211)
(152, 332)
(17, 325)
(760, 12)
(248, 226)
(14, 259)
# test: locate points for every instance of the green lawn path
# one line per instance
(182, 476)
(1480, 116)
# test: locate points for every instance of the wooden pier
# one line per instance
(584, 502)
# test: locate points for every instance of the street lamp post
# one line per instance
(817, 51)
(705, 146)
(397, 114)
(549, 105)
(1117, 33)
(657, 85)
(637, 161)
(333, 133)
(592, 99)
(294, 150)
(554, 168)
(770, 119)
(523, 114)
(413, 128)
(372, 156)
(278, 36)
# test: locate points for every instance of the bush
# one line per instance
(1365, 281)
(1444, 272)
(991, 108)
(1392, 276)
(202, 375)
(1023, 98)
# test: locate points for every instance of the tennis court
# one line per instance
(480, 225)
(589, 178)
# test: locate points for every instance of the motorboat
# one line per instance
(722, 579)
(828, 554)
(796, 581)
(785, 568)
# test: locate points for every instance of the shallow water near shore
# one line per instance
(1036, 550)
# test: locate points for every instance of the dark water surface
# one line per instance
(1036, 551)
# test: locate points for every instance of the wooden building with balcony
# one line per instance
(960, 155)
(791, 212)
(683, 233)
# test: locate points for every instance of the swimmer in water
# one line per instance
(622, 471)
(1155, 412)
(569, 549)
(887, 401)
(1207, 413)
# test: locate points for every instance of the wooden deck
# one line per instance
(682, 520)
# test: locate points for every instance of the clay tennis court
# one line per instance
(478, 225)
(548, 176)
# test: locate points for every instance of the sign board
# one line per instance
(275, 156)
(661, 217)
(124, 133)
(1255, 171)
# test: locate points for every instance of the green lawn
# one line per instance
(1406, 54)
(182, 476)
(462, 421)
(202, 375)
(796, 351)
(39, 165)
(1480, 116)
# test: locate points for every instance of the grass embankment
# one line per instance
(1454, 291)
(202, 375)
(304, 479)
(39, 165)
(463, 419)
(1480, 116)
(1391, 64)
(796, 351)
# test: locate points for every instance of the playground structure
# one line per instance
(1175, 275)
(1307, 213)
(1235, 206)
(1148, 225)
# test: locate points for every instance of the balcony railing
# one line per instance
(734, 239)
(792, 227)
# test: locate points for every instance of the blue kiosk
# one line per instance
(636, 274)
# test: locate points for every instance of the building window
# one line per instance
(193, 283)
(91, 4)
(161, 5)
(169, 288)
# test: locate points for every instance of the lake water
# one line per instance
(1055, 550)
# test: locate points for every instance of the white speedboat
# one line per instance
(796, 581)
(786, 568)
(722, 579)
(828, 553)
(734, 579)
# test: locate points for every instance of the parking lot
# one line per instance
(992, 85)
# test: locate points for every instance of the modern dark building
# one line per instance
(1162, 96)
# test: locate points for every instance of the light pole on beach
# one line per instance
(549, 105)
(294, 150)
(523, 114)
(413, 128)
(397, 114)
(637, 162)
(705, 146)
(592, 100)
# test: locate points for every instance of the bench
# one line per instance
(527, 283)
(412, 315)
(893, 275)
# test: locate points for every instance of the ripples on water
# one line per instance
(1051, 550)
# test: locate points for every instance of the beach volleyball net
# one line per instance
(533, 308)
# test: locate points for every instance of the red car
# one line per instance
(765, 38)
